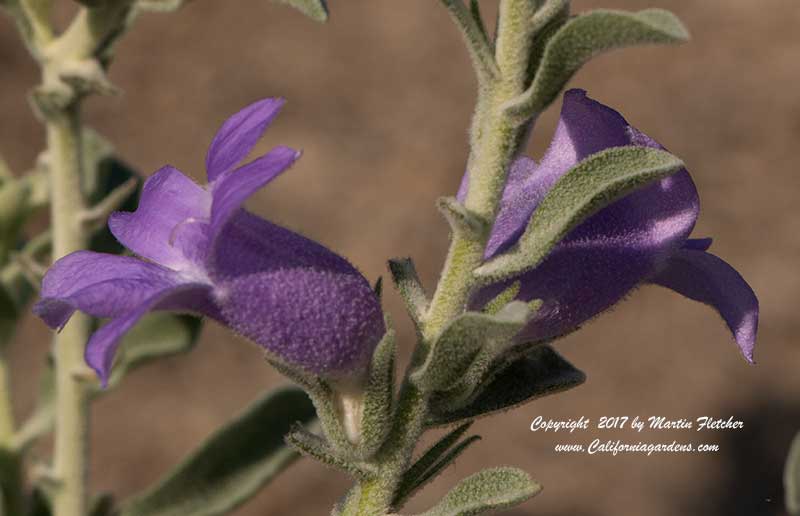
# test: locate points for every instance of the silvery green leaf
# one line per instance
(487, 490)
(404, 276)
(791, 478)
(502, 299)
(233, 464)
(319, 449)
(539, 372)
(585, 36)
(315, 9)
(157, 335)
(377, 407)
(433, 461)
(589, 186)
(461, 341)
(462, 220)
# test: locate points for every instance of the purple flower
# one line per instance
(203, 253)
(641, 238)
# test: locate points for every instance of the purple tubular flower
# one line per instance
(206, 255)
(640, 238)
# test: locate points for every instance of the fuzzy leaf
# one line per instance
(582, 38)
(462, 220)
(487, 490)
(317, 10)
(791, 478)
(378, 396)
(416, 476)
(589, 186)
(319, 449)
(233, 464)
(405, 278)
(156, 336)
(455, 349)
(539, 372)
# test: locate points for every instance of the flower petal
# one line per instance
(239, 134)
(324, 322)
(611, 252)
(585, 127)
(104, 342)
(168, 199)
(249, 244)
(232, 189)
(101, 285)
(706, 278)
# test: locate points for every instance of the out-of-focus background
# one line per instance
(380, 99)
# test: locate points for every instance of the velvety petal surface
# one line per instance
(704, 277)
(322, 321)
(168, 200)
(233, 188)
(101, 285)
(103, 344)
(239, 134)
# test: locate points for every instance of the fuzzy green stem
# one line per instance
(495, 140)
(72, 403)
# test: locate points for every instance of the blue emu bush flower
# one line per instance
(638, 239)
(201, 252)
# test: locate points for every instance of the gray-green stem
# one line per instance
(70, 450)
(495, 140)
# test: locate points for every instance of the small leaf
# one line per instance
(462, 220)
(413, 477)
(589, 186)
(319, 449)
(791, 478)
(233, 464)
(377, 407)
(539, 372)
(585, 36)
(502, 299)
(487, 490)
(156, 336)
(455, 349)
(404, 276)
(317, 10)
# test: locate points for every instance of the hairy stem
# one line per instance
(495, 140)
(72, 405)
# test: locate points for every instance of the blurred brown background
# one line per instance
(379, 99)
